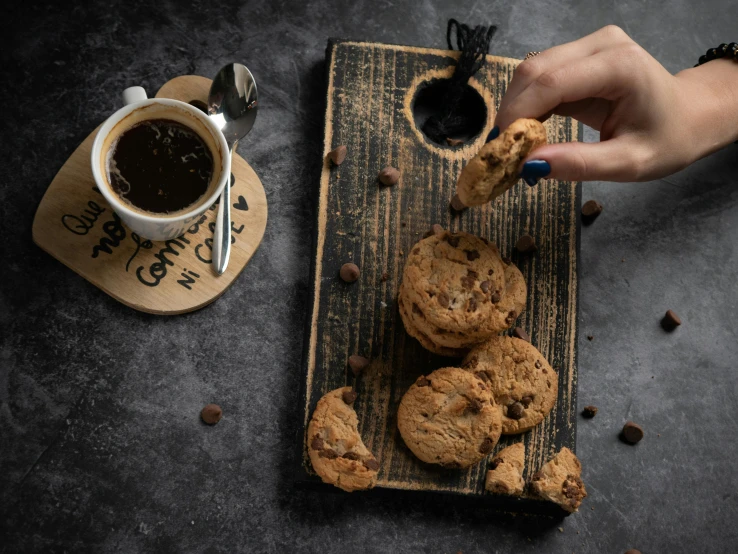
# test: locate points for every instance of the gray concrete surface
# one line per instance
(101, 448)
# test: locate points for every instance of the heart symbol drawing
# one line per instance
(241, 204)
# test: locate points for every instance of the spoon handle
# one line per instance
(222, 235)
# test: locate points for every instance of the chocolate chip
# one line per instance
(371, 464)
(349, 396)
(512, 316)
(475, 406)
(338, 155)
(518, 332)
(481, 374)
(471, 362)
(495, 298)
(468, 282)
(456, 204)
(423, 382)
(632, 432)
(490, 272)
(494, 463)
(515, 410)
(472, 273)
(487, 445)
(590, 211)
(349, 272)
(590, 337)
(670, 321)
(538, 364)
(417, 310)
(385, 276)
(484, 285)
(389, 176)
(316, 443)
(472, 255)
(328, 453)
(526, 401)
(454, 142)
(357, 364)
(589, 411)
(453, 240)
(211, 414)
(472, 305)
(351, 456)
(526, 244)
(443, 300)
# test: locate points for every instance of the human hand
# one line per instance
(651, 123)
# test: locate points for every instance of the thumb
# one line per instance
(618, 159)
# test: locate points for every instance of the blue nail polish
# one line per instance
(534, 170)
(493, 134)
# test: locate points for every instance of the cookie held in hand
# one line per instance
(496, 166)
(336, 450)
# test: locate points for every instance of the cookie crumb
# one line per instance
(389, 176)
(561, 529)
(349, 272)
(589, 411)
(670, 321)
(338, 155)
(632, 433)
(590, 337)
(211, 414)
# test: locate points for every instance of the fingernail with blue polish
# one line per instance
(534, 170)
(493, 134)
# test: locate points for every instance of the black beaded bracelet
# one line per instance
(722, 51)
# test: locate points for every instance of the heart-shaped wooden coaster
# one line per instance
(76, 225)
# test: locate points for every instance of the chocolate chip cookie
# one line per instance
(457, 291)
(449, 418)
(423, 338)
(559, 481)
(523, 383)
(336, 451)
(496, 166)
(505, 475)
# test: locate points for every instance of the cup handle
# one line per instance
(134, 94)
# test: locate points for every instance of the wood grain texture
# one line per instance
(369, 109)
(76, 225)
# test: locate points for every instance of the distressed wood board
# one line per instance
(369, 109)
(76, 225)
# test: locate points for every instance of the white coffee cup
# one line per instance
(139, 108)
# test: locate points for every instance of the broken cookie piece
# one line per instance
(505, 475)
(495, 168)
(559, 481)
(336, 450)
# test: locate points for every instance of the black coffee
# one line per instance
(160, 166)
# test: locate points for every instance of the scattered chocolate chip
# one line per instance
(349, 272)
(590, 211)
(475, 406)
(632, 432)
(371, 464)
(349, 396)
(487, 445)
(417, 310)
(456, 204)
(484, 285)
(454, 142)
(453, 240)
(316, 443)
(590, 337)
(351, 456)
(526, 244)
(211, 414)
(515, 410)
(423, 381)
(494, 463)
(589, 411)
(338, 155)
(389, 176)
(670, 321)
(443, 300)
(472, 305)
(328, 453)
(385, 276)
(518, 332)
(357, 364)
(495, 298)
(472, 255)
(526, 401)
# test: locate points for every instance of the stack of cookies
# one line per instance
(457, 292)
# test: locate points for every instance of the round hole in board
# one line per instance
(471, 110)
(200, 105)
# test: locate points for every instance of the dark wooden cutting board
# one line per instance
(371, 91)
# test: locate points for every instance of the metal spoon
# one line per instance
(232, 106)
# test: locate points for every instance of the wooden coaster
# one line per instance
(373, 92)
(76, 225)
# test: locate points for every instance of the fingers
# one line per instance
(621, 159)
(605, 75)
(553, 58)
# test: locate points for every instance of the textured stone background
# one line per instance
(101, 448)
